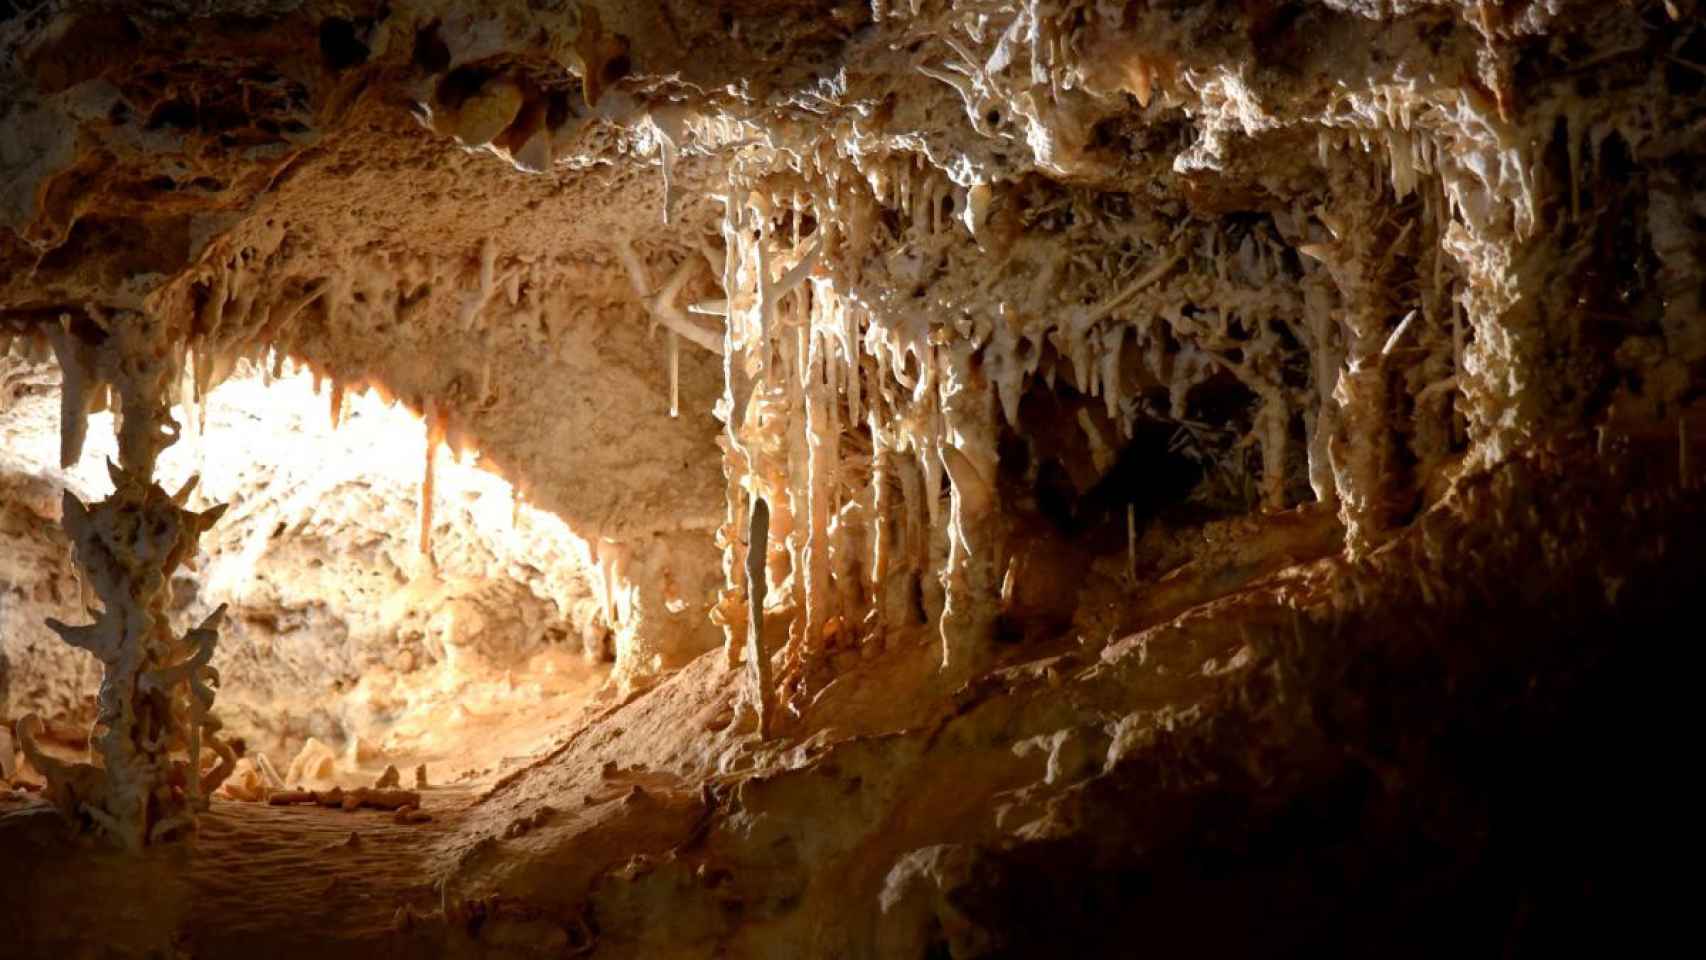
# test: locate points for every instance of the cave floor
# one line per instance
(625, 776)
(267, 881)
(257, 881)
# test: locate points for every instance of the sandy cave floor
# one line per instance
(258, 880)
(264, 880)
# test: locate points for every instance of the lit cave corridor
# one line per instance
(875, 479)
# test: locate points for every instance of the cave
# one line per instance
(843, 479)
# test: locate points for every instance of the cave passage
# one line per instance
(338, 629)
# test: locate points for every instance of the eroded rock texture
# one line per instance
(890, 478)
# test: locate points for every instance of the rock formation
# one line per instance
(875, 478)
(157, 688)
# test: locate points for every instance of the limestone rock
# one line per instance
(315, 762)
(8, 755)
(1171, 470)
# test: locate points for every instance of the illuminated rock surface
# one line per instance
(1170, 476)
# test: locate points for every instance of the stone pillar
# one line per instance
(156, 690)
(968, 453)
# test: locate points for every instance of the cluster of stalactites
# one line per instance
(848, 455)
(1447, 125)
(122, 357)
(786, 392)
(153, 722)
(872, 356)
(1470, 155)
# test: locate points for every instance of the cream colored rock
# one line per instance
(1013, 377)
(315, 762)
(478, 120)
(8, 755)
(359, 752)
(246, 783)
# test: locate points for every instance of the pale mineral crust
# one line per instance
(862, 478)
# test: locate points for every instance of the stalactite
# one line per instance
(1273, 426)
(674, 374)
(850, 345)
(1131, 543)
(821, 437)
(474, 301)
(737, 460)
(79, 383)
(791, 370)
(917, 553)
(436, 420)
(1324, 420)
(336, 401)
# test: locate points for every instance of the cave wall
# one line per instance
(37, 672)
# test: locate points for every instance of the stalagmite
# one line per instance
(761, 689)
(971, 576)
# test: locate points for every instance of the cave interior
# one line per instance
(905, 478)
